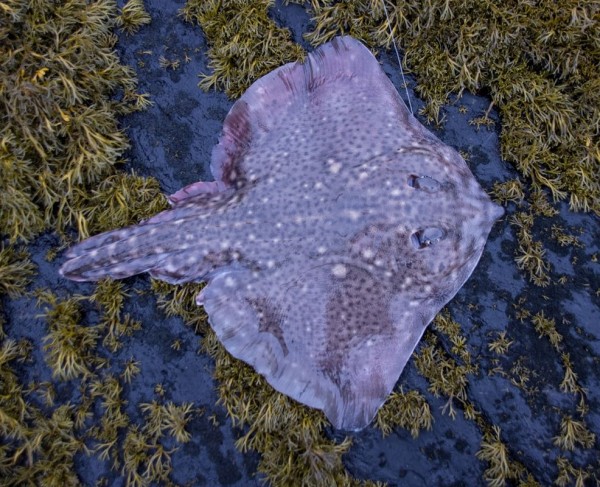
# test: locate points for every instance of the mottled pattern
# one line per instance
(337, 228)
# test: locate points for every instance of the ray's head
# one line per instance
(445, 223)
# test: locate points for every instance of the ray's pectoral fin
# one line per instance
(334, 344)
(372, 332)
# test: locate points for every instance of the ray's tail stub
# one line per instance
(170, 251)
(174, 245)
(117, 253)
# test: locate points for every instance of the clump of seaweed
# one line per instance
(136, 450)
(133, 16)
(145, 459)
(521, 375)
(166, 63)
(108, 392)
(181, 301)
(71, 349)
(568, 474)
(13, 408)
(110, 297)
(446, 377)
(244, 42)
(61, 138)
(447, 373)
(168, 418)
(531, 252)
(509, 191)
(501, 344)
(119, 200)
(69, 345)
(407, 410)
(565, 239)
(130, 370)
(547, 327)
(501, 467)
(38, 447)
(16, 271)
(19, 214)
(573, 432)
(51, 446)
(494, 452)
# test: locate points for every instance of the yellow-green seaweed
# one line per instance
(133, 16)
(16, 270)
(244, 42)
(59, 137)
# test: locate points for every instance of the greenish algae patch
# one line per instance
(59, 73)
(244, 42)
(408, 410)
(63, 89)
(41, 439)
(16, 271)
(133, 16)
(119, 200)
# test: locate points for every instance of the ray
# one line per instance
(336, 228)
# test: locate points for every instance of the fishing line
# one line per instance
(397, 57)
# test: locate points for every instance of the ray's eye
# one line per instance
(427, 237)
(424, 183)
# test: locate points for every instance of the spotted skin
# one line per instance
(336, 229)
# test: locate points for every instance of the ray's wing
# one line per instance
(332, 336)
(335, 95)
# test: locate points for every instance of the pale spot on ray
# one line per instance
(334, 166)
(368, 253)
(353, 214)
(339, 271)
